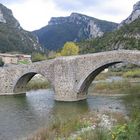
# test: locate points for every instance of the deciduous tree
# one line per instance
(70, 48)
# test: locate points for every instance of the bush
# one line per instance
(1, 62)
(23, 62)
(38, 57)
(132, 74)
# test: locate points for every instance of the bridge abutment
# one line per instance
(65, 80)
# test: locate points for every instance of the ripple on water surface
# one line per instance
(20, 116)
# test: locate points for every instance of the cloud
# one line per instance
(76, 4)
(10, 1)
(34, 14)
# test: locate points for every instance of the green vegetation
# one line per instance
(13, 37)
(123, 129)
(38, 82)
(54, 36)
(115, 85)
(60, 128)
(69, 49)
(34, 85)
(132, 73)
(23, 62)
(1, 62)
(38, 57)
(131, 129)
(121, 86)
(125, 37)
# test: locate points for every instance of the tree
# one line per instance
(38, 57)
(1, 62)
(58, 54)
(70, 48)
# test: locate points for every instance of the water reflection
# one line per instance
(66, 110)
(20, 116)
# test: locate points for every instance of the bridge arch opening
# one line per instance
(86, 82)
(30, 81)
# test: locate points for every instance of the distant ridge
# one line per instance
(75, 27)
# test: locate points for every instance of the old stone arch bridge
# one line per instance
(70, 77)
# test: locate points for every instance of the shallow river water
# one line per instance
(20, 116)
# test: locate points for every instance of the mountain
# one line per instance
(133, 16)
(127, 36)
(75, 27)
(12, 37)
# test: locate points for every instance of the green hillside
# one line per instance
(127, 37)
(12, 37)
(75, 27)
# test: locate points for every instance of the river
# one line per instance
(21, 116)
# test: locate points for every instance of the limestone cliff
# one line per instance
(13, 38)
(133, 16)
(75, 27)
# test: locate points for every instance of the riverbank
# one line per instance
(97, 125)
(115, 88)
(101, 125)
(76, 128)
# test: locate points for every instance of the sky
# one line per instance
(34, 14)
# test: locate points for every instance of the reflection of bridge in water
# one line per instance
(70, 76)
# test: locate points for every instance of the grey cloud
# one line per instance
(76, 4)
(10, 1)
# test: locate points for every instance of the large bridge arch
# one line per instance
(102, 63)
(86, 81)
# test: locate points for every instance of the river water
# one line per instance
(22, 115)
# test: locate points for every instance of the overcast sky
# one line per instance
(34, 14)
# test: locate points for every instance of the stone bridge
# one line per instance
(70, 77)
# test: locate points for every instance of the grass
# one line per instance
(126, 73)
(60, 128)
(63, 129)
(132, 74)
(113, 86)
(104, 76)
(34, 85)
(23, 62)
(97, 134)
(128, 130)
(38, 82)
(131, 129)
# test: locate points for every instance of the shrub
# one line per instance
(132, 73)
(38, 57)
(1, 62)
(23, 62)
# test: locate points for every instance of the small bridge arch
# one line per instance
(22, 81)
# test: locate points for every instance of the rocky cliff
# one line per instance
(12, 37)
(75, 27)
(133, 16)
(127, 36)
